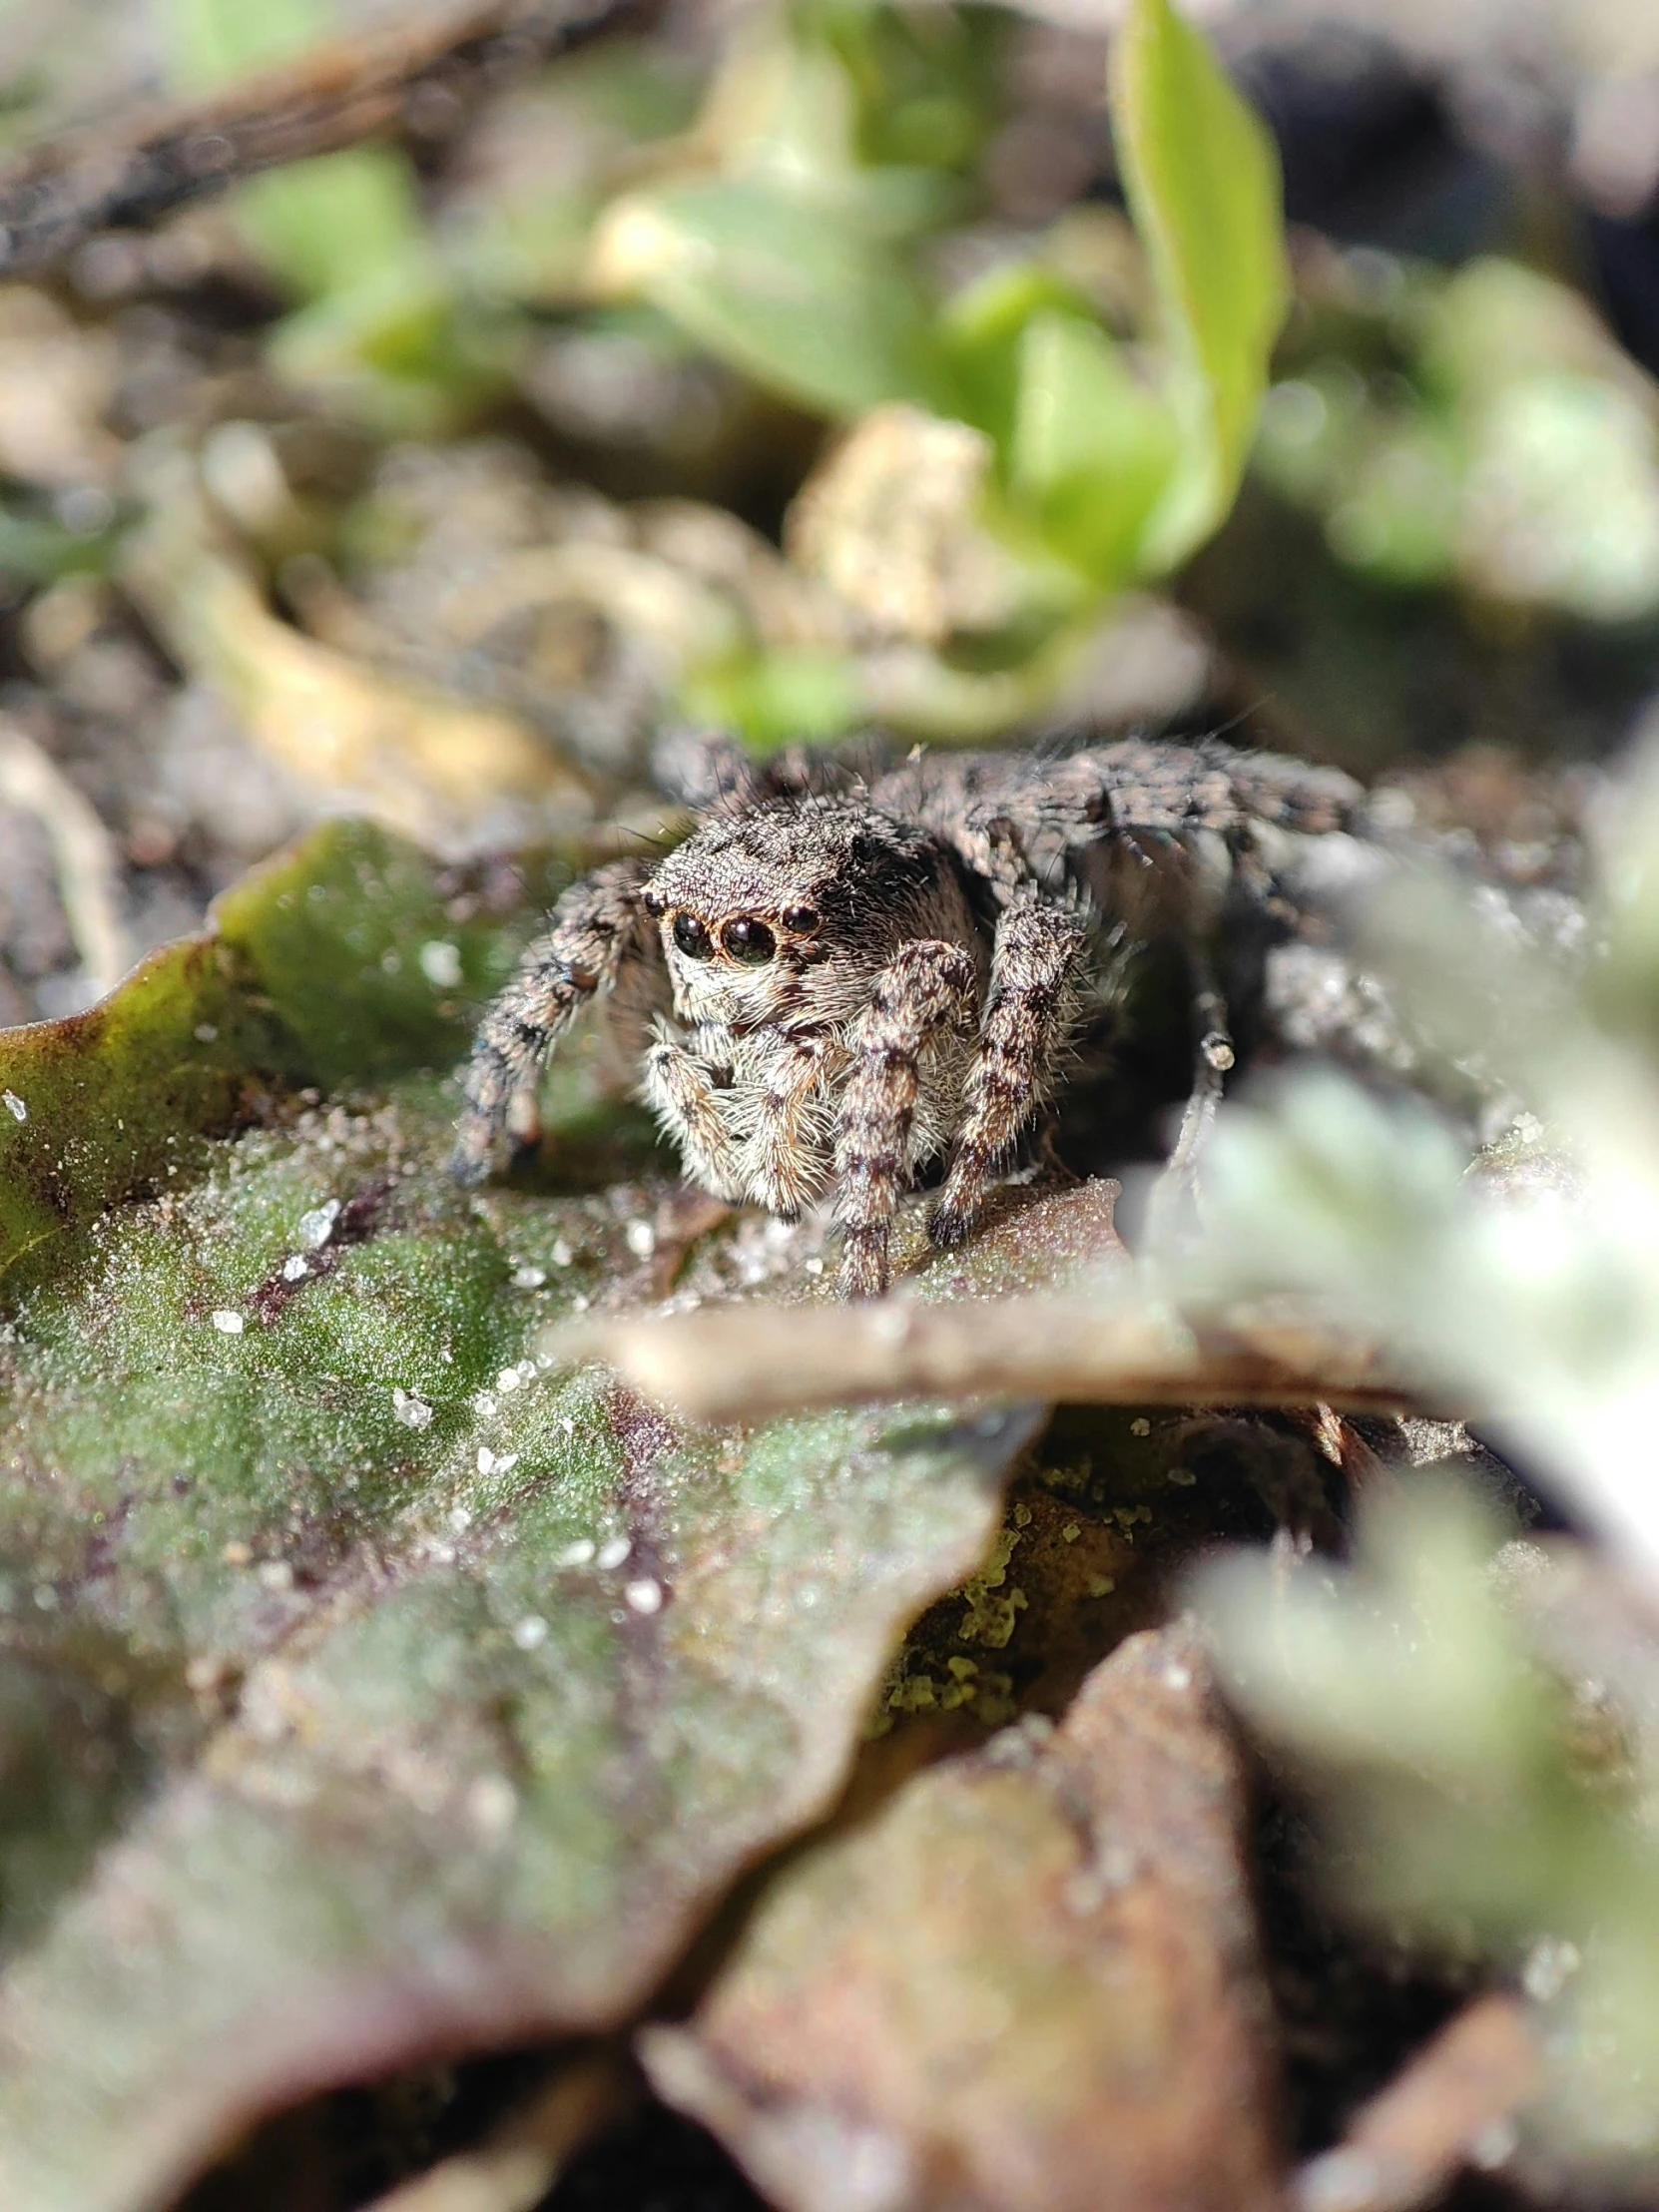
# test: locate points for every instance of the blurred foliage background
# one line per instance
(590, 408)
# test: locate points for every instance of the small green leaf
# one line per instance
(791, 288)
(1202, 180)
(981, 327)
(781, 697)
(1092, 447)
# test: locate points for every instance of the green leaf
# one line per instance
(513, 1675)
(1092, 448)
(322, 967)
(401, 1693)
(781, 697)
(982, 326)
(791, 288)
(1202, 180)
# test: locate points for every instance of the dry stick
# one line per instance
(89, 880)
(744, 1363)
(516, 2167)
(422, 77)
(1455, 2105)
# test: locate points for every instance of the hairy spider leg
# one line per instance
(790, 1123)
(1030, 1011)
(678, 1086)
(926, 988)
(598, 926)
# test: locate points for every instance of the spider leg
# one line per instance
(1030, 1011)
(790, 1126)
(694, 1113)
(1213, 1055)
(598, 929)
(928, 988)
(1145, 783)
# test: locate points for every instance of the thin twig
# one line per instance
(1455, 2105)
(422, 76)
(89, 878)
(516, 2167)
(747, 1361)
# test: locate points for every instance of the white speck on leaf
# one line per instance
(529, 1279)
(644, 1596)
(641, 1239)
(316, 1227)
(508, 1379)
(276, 1574)
(413, 1411)
(577, 1554)
(15, 1106)
(562, 1254)
(441, 963)
(227, 1323)
(206, 1033)
(530, 1633)
(295, 1265)
(460, 1521)
(613, 1553)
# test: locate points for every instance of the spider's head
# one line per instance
(784, 913)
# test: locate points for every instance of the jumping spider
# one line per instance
(835, 980)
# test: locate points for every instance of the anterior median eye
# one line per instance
(692, 939)
(748, 940)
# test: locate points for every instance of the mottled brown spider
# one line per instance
(837, 981)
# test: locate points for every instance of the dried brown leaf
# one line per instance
(1031, 1982)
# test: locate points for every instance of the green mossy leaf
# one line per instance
(339, 961)
(365, 1688)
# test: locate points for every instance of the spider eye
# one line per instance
(801, 919)
(751, 941)
(692, 937)
(655, 904)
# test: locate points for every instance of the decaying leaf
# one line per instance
(1032, 1981)
(436, 769)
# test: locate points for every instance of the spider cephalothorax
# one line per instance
(831, 987)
